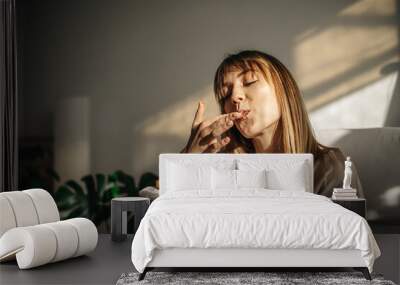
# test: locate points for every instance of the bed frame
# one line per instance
(256, 258)
(242, 258)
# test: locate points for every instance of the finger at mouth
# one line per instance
(244, 113)
(235, 115)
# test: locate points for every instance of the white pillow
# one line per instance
(251, 178)
(223, 179)
(181, 178)
(226, 179)
(281, 174)
(293, 179)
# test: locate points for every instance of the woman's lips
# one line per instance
(243, 121)
(245, 114)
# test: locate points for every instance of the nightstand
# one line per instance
(358, 206)
(119, 208)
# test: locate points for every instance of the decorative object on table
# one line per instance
(347, 174)
(358, 205)
(346, 192)
(242, 278)
(149, 192)
(119, 208)
(343, 194)
(31, 230)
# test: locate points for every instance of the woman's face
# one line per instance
(248, 90)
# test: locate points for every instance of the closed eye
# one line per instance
(249, 83)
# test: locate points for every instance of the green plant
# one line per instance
(148, 179)
(93, 199)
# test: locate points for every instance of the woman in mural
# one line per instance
(263, 112)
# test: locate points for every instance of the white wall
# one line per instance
(141, 66)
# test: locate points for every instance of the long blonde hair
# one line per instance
(294, 128)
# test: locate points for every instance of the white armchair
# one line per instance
(31, 230)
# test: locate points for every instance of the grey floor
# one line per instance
(103, 266)
(111, 259)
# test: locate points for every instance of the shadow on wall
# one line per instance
(376, 154)
(139, 99)
(329, 65)
(393, 112)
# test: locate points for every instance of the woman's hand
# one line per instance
(205, 135)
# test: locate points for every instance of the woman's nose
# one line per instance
(237, 96)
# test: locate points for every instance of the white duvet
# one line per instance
(252, 218)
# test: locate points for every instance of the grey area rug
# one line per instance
(225, 278)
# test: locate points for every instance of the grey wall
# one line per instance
(114, 83)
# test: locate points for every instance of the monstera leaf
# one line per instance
(148, 179)
(92, 197)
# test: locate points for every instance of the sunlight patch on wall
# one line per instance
(370, 7)
(363, 108)
(169, 130)
(329, 137)
(391, 197)
(347, 53)
(176, 119)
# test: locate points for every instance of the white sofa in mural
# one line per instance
(31, 231)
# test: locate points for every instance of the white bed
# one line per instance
(215, 224)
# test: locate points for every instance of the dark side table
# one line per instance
(358, 206)
(119, 208)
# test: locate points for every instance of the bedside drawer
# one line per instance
(358, 206)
